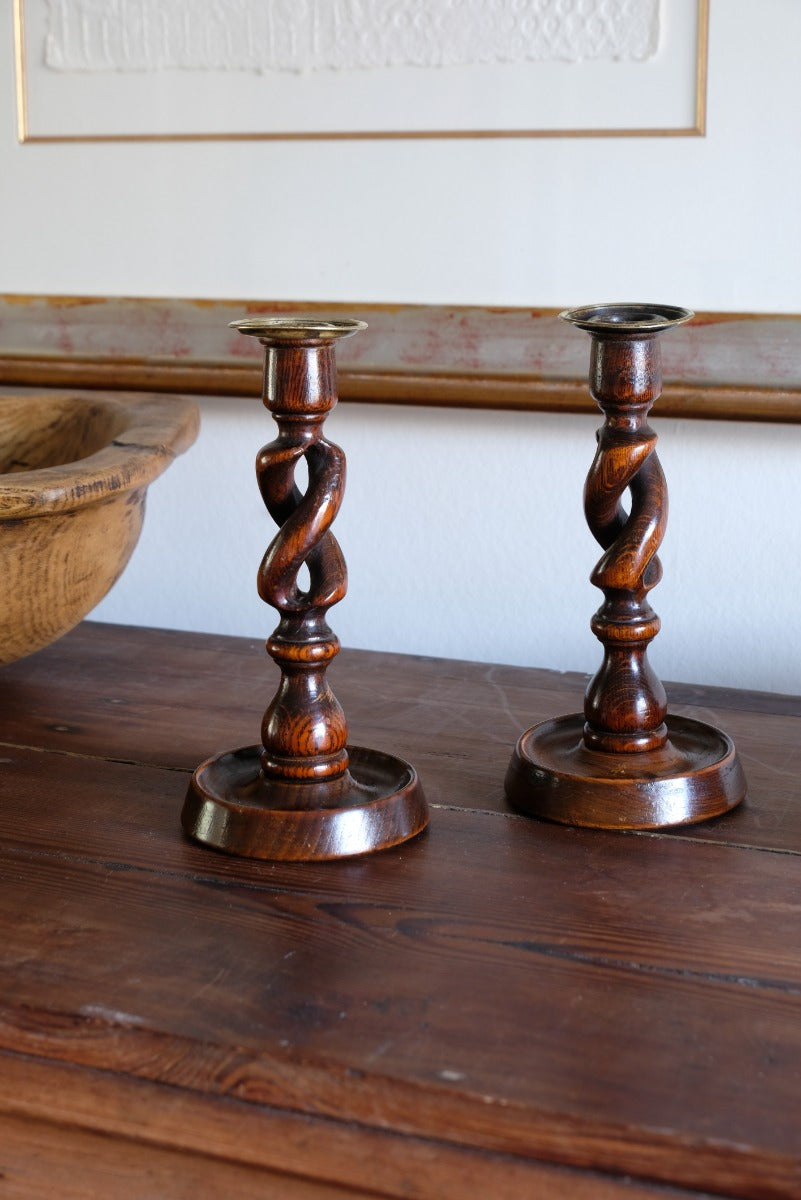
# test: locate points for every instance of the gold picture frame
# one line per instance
(69, 108)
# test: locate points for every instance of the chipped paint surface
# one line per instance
(736, 350)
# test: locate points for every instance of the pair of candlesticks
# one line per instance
(304, 793)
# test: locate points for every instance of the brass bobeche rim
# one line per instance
(626, 317)
(288, 329)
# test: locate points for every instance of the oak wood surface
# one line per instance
(572, 1012)
(350, 1007)
(280, 1141)
(139, 703)
(43, 1159)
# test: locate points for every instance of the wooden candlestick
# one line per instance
(623, 763)
(303, 793)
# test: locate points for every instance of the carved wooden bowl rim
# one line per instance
(625, 317)
(148, 434)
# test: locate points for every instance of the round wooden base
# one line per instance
(694, 776)
(378, 803)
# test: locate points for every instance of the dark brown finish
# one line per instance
(109, 714)
(623, 764)
(724, 366)
(212, 1142)
(302, 794)
(508, 1008)
(45, 1160)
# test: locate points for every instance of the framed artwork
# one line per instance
(132, 70)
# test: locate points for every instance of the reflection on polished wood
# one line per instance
(504, 1008)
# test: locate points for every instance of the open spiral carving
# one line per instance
(304, 536)
(624, 763)
(302, 794)
(626, 462)
(625, 705)
(304, 731)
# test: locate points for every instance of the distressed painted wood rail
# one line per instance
(724, 366)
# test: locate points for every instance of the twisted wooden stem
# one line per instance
(304, 731)
(624, 763)
(625, 703)
(302, 794)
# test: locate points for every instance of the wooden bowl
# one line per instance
(74, 470)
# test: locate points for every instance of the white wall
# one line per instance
(465, 537)
(711, 223)
(463, 531)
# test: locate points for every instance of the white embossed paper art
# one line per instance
(194, 68)
(342, 35)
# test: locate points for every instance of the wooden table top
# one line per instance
(500, 1008)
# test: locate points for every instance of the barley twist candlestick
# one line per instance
(623, 763)
(303, 793)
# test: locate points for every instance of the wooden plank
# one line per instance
(733, 349)
(529, 993)
(42, 1159)
(121, 817)
(141, 658)
(602, 1002)
(436, 390)
(730, 366)
(173, 699)
(342, 1153)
